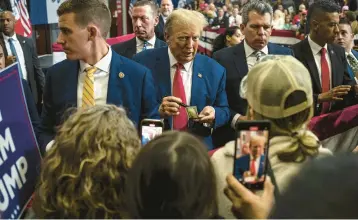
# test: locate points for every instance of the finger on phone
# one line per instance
(337, 99)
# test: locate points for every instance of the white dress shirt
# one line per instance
(235, 21)
(101, 78)
(164, 18)
(257, 164)
(140, 44)
(19, 52)
(316, 51)
(186, 74)
(251, 61)
(350, 52)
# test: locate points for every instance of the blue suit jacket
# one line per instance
(243, 164)
(234, 60)
(208, 84)
(350, 71)
(134, 92)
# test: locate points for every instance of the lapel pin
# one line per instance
(200, 76)
(121, 75)
(332, 52)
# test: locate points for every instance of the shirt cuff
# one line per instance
(234, 120)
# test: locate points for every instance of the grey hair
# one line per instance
(261, 7)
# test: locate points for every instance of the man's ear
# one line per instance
(156, 20)
(166, 37)
(93, 32)
(314, 25)
(242, 27)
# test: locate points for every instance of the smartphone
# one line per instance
(251, 153)
(151, 128)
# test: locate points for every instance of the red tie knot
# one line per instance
(323, 51)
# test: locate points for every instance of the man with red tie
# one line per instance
(187, 81)
(332, 87)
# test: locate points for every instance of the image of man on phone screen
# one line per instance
(250, 167)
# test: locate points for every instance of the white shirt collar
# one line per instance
(173, 61)
(249, 50)
(350, 53)
(6, 38)
(104, 64)
(315, 47)
(141, 43)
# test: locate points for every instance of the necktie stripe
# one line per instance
(88, 98)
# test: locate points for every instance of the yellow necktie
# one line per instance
(88, 88)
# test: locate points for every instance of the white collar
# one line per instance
(249, 50)
(350, 53)
(104, 64)
(173, 61)
(150, 41)
(6, 38)
(315, 47)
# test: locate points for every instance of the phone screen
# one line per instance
(150, 131)
(250, 156)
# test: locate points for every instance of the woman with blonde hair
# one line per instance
(84, 173)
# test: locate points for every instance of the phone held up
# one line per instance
(251, 153)
(150, 128)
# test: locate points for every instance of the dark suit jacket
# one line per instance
(159, 29)
(208, 86)
(133, 91)
(35, 76)
(234, 61)
(243, 164)
(340, 76)
(223, 23)
(128, 48)
(350, 71)
(31, 106)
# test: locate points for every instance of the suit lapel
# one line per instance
(198, 83)
(131, 49)
(311, 64)
(241, 64)
(116, 81)
(70, 83)
(334, 63)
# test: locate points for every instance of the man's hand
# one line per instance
(169, 106)
(335, 94)
(245, 204)
(207, 115)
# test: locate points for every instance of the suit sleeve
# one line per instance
(150, 106)
(39, 75)
(221, 106)
(48, 117)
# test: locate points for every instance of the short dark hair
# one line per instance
(88, 11)
(172, 177)
(346, 22)
(325, 6)
(149, 3)
(324, 189)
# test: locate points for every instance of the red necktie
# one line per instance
(253, 167)
(325, 79)
(180, 121)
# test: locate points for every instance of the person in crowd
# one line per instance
(229, 38)
(144, 19)
(5, 5)
(84, 174)
(296, 19)
(22, 50)
(30, 102)
(278, 20)
(345, 9)
(330, 184)
(291, 144)
(172, 177)
(288, 24)
(92, 74)
(352, 18)
(166, 8)
(221, 21)
(345, 38)
(239, 59)
(235, 19)
(333, 89)
(300, 27)
(353, 5)
(219, 3)
(194, 80)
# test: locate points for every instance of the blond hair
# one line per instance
(84, 173)
(184, 17)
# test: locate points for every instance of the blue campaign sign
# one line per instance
(19, 155)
